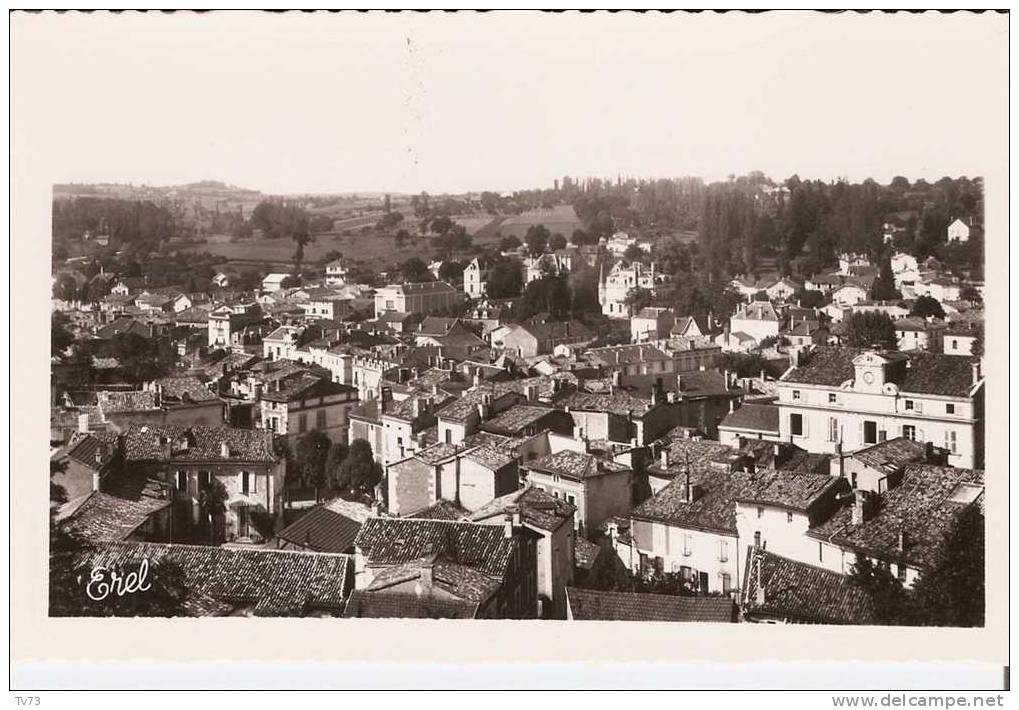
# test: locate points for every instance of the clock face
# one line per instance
(868, 377)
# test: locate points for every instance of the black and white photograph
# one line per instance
(478, 317)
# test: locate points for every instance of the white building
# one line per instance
(273, 282)
(758, 319)
(336, 273)
(856, 398)
(623, 278)
(958, 231)
(475, 279)
(425, 297)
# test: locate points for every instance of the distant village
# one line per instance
(333, 446)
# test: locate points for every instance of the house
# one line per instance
(857, 398)
(128, 285)
(826, 283)
(958, 231)
(782, 290)
(780, 590)
(331, 526)
(939, 288)
(776, 508)
(231, 318)
(689, 527)
(878, 468)
(102, 517)
(758, 319)
(326, 304)
(615, 287)
(903, 262)
(688, 327)
(653, 324)
(283, 342)
(273, 282)
(84, 461)
(914, 334)
(305, 403)
(184, 401)
(425, 297)
(452, 569)
(336, 273)
(221, 280)
(893, 309)
(155, 303)
(850, 262)
(526, 420)
(849, 295)
(903, 528)
(595, 605)
(541, 337)
(224, 581)
(475, 278)
(960, 338)
(191, 458)
(751, 421)
(598, 488)
(552, 519)
(468, 476)
(558, 263)
(735, 342)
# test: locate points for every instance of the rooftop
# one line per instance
(753, 417)
(575, 465)
(100, 516)
(152, 442)
(788, 489)
(536, 507)
(593, 605)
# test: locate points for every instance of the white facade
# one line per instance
(958, 231)
(475, 279)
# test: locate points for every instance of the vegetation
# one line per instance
(871, 329)
(359, 470)
(927, 307)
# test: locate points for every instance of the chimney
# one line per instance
(976, 372)
(859, 507)
(224, 450)
(732, 406)
(928, 452)
(901, 542)
(679, 384)
(665, 458)
(426, 578)
(99, 457)
(95, 480)
(508, 526)
(83, 423)
(477, 378)
(617, 378)
(415, 407)
(656, 392)
(687, 488)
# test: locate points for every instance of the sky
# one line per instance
(301, 103)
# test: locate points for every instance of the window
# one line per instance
(302, 422)
(571, 499)
(955, 344)
(687, 545)
(909, 432)
(726, 582)
(832, 398)
(245, 483)
(449, 436)
(820, 552)
(242, 521)
(723, 551)
(949, 408)
(760, 512)
(796, 394)
(796, 424)
(182, 481)
(902, 572)
(870, 432)
(909, 405)
(320, 419)
(757, 538)
(204, 479)
(833, 429)
(950, 441)
(788, 517)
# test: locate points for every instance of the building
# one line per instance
(598, 488)
(902, 528)
(445, 569)
(758, 319)
(83, 462)
(425, 297)
(857, 398)
(475, 279)
(468, 476)
(331, 526)
(273, 282)
(879, 468)
(750, 421)
(191, 458)
(336, 273)
(552, 519)
(849, 295)
(651, 324)
(958, 231)
(594, 605)
(541, 337)
(960, 338)
(615, 287)
(228, 319)
(558, 263)
(304, 403)
(326, 304)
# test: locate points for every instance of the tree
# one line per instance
(509, 243)
(441, 225)
(401, 237)
(557, 241)
(871, 329)
(883, 288)
(360, 471)
(581, 238)
(549, 294)
(310, 454)
(505, 279)
(638, 298)
(890, 602)
(927, 306)
(414, 270)
(810, 299)
(141, 359)
(536, 239)
(633, 253)
(951, 592)
(60, 336)
(451, 271)
(332, 255)
(337, 455)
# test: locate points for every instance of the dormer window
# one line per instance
(909, 405)
(949, 408)
(796, 394)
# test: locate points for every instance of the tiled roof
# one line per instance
(594, 605)
(159, 442)
(424, 287)
(322, 530)
(575, 465)
(928, 373)
(921, 506)
(306, 386)
(753, 417)
(892, 455)
(101, 516)
(698, 454)
(493, 458)
(388, 541)
(459, 580)
(536, 507)
(186, 388)
(84, 447)
(388, 605)
(619, 402)
(787, 489)
(629, 354)
(441, 509)
(713, 507)
(704, 383)
(801, 592)
(272, 582)
(131, 401)
(783, 456)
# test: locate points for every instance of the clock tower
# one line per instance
(873, 369)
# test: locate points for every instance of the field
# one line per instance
(379, 251)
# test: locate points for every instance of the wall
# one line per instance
(699, 550)
(778, 534)
(411, 486)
